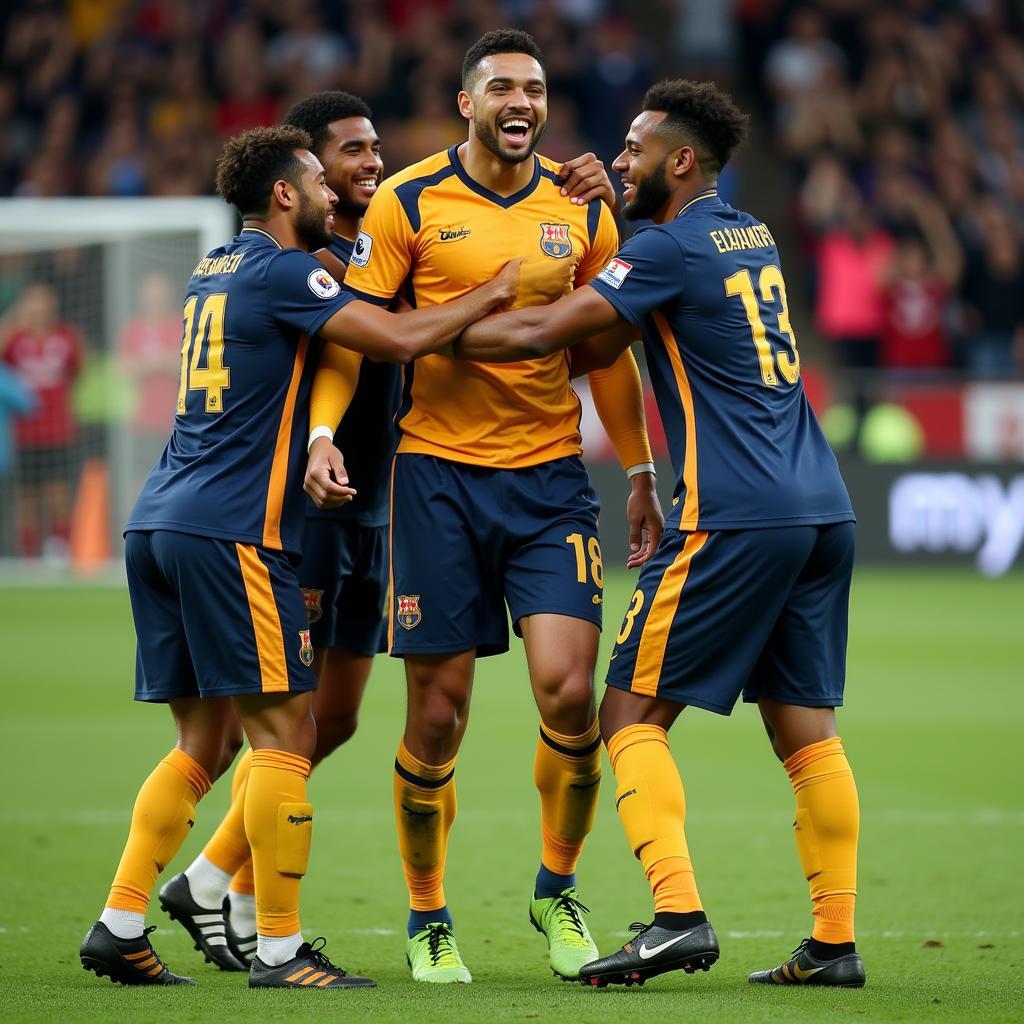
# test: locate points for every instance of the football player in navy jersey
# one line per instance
(344, 569)
(211, 543)
(748, 591)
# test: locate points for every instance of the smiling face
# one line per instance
(506, 101)
(643, 166)
(351, 160)
(313, 215)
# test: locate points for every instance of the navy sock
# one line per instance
(419, 919)
(830, 950)
(549, 884)
(680, 922)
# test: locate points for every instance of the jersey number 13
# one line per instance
(769, 285)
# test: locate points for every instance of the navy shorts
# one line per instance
(215, 618)
(467, 540)
(757, 612)
(344, 579)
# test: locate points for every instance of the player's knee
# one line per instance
(334, 732)
(232, 745)
(442, 716)
(569, 700)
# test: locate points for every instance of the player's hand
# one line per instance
(326, 477)
(646, 520)
(506, 284)
(544, 280)
(584, 179)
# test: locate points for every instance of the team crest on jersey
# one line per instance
(409, 614)
(314, 607)
(615, 273)
(362, 249)
(555, 240)
(322, 284)
(306, 648)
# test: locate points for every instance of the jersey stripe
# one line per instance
(409, 192)
(650, 654)
(266, 622)
(279, 467)
(691, 505)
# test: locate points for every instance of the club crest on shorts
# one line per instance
(409, 614)
(555, 240)
(314, 604)
(306, 648)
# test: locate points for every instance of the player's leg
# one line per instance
(164, 812)
(342, 679)
(553, 579)
(797, 684)
(439, 622)
(439, 689)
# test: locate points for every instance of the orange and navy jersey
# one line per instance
(708, 291)
(434, 233)
(234, 464)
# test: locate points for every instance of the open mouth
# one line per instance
(515, 130)
(628, 190)
(367, 185)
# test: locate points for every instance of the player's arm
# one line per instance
(585, 178)
(334, 385)
(619, 399)
(401, 337)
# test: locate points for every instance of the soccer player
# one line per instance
(748, 592)
(488, 471)
(344, 569)
(211, 540)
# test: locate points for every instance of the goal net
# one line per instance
(90, 342)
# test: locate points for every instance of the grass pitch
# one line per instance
(933, 726)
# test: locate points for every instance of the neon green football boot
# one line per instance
(569, 943)
(434, 956)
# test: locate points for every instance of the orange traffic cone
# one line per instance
(90, 520)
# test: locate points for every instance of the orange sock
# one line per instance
(425, 808)
(228, 847)
(652, 807)
(827, 826)
(279, 824)
(567, 772)
(164, 812)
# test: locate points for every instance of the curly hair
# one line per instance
(315, 113)
(706, 117)
(502, 40)
(251, 162)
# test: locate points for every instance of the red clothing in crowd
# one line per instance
(850, 289)
(158, 346)
(915, 335)
(47, 364)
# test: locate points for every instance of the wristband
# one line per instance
(317, 432)
(640, 467)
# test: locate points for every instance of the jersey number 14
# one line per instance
(770, 284)
(214, 377)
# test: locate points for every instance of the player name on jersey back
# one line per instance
(234, 464)
(708, 291)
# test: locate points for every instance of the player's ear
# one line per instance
(685, 160)
(284, 193)
(465, 105)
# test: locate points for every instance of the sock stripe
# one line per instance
(565, 751)
(418, 780)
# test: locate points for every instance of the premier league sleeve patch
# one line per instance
(615, 273)
(362, 249)
(322, 285)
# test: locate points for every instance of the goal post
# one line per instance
(90, 329)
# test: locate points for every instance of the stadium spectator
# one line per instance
(46, 353)
(149, 354)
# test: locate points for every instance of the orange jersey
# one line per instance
(436, 231)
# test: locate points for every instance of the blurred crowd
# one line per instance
(903, 126)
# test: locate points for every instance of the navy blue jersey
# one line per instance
(708, 292)
(234, 464)
(367, 435)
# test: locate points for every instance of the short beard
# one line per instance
(651, 195)
(349, 208)
(309, 225)
(486, 135)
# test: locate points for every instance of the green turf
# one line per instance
(933, 728)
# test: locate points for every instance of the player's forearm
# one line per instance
(507, 337)
(619, 399)
(334, 384)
